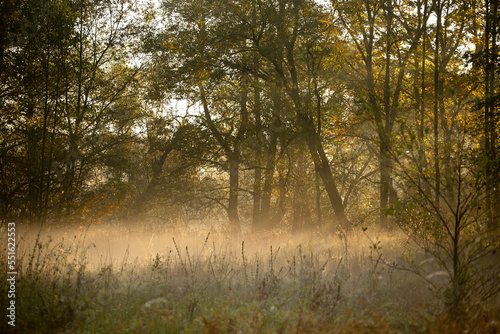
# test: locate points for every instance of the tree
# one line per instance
(455, 235)
(231, 146)
(194, 44)
(385, 36)
(284, 32)
(67, 73)
(491, 119)
(449, 223)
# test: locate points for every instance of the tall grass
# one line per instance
(113, 280)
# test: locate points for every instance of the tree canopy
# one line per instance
(251, 114)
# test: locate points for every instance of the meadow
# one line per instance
(112, 278)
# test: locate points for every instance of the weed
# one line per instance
(287, 285)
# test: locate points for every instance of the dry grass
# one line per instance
(117, 279)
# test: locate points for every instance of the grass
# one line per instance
(111, 279)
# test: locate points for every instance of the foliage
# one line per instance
(250, 115)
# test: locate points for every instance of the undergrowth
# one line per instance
(208, 283)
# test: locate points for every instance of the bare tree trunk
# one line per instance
(495, 117)
(384, 134)
(422, 160)
(231, 149)
(268, 180)
(384, 182)
(319, 215)
(447, 150)
(322, 165)
(437, 172)
(32, 164)
(300, 186)
(157, 169)
(232, 207)
(490, 118)
(313, 140)
(257, 195)
(257, 186)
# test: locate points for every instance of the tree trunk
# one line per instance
(490, 118)
(437, 172)
(315, 146)
(319, 216)
(384, 181)
(257, 186)
(300, 189)
(495, 118)
(157, 169)
(232, 152)
(32, 165)
(322, 165)
(421, 96)
(257, 195)
(268, 181)
(447, 130)
(232, 207)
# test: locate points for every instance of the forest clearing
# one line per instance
(109, 279)
(250, 166)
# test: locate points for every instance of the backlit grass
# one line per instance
(112, 279)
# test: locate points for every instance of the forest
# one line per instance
(291, 166)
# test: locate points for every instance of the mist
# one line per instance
(249, 166)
